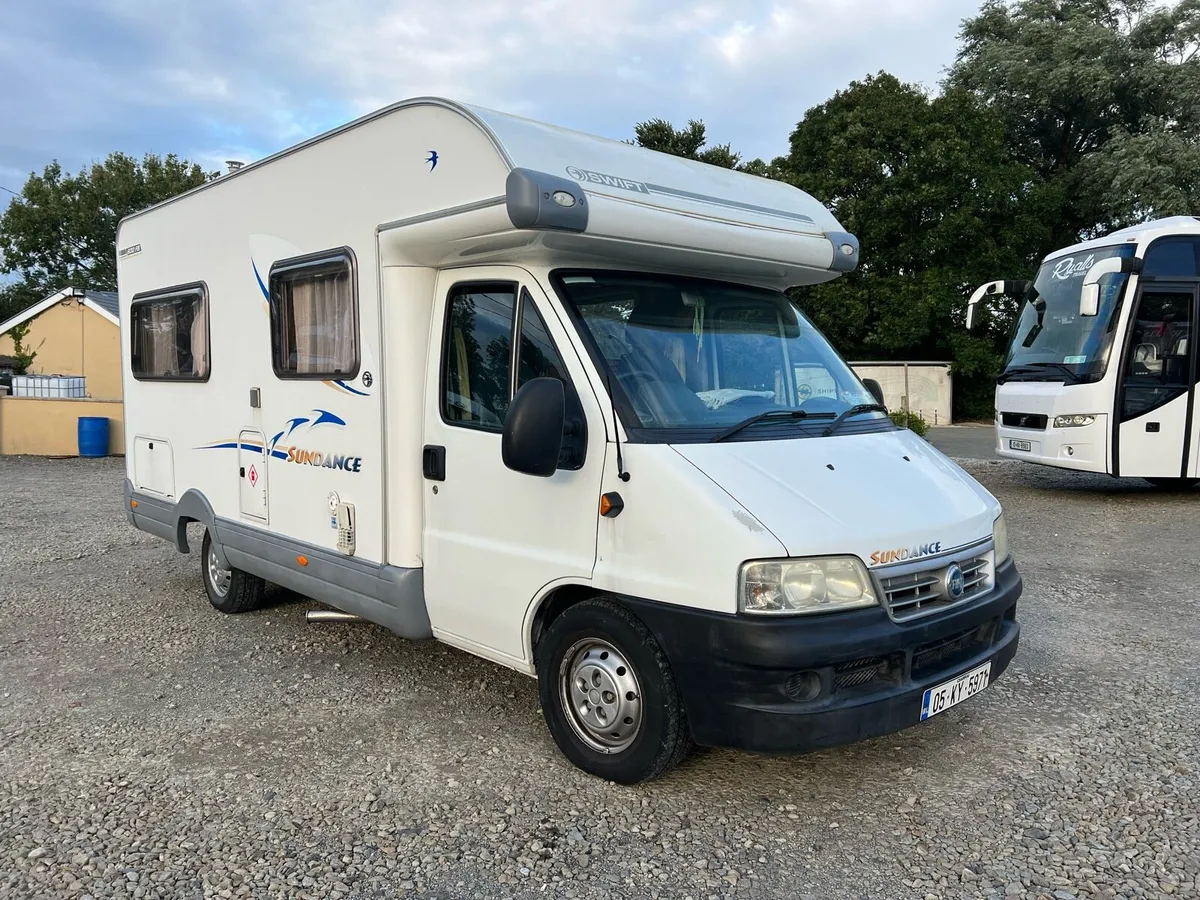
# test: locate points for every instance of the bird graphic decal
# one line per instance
(432, 159)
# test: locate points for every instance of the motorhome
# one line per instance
(542, 396)
(1100, 374)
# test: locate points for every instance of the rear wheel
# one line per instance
(229, 590)
(1174, 484)
(608, 695)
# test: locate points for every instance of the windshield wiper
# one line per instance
(769, 414)
(1027, 368)
(853, 411)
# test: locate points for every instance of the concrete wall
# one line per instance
(39, 427)
(930, 390)
(71, 339)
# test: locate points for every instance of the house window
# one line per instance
(314, 316)
(169, 334)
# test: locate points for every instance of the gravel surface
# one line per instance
(151, 747)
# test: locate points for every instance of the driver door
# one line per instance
(494, 537)
(1157, 388)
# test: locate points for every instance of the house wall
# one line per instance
(71, 339)
(923, 387)
(40, 427)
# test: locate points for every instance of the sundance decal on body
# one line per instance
(347, 462)
(882, 557)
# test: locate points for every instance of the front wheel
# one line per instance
(229, 590)
(608, 695)
(1174, 484)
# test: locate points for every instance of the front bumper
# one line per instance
(739, 676)
(1084, 448)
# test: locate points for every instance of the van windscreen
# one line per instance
(688, 358)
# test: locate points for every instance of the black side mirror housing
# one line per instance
(876, 390)
(534, 426)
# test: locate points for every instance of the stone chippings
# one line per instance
(153, 748)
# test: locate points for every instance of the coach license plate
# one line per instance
(1020, 445)
(951, 693)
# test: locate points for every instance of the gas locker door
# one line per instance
(495, 538)
(252, 474)
(1157, 391)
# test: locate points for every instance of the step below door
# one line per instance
(252, 474)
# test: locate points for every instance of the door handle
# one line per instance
(1152, 427)
(433, 462)
(242, 472)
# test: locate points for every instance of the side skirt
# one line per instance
(390, 596)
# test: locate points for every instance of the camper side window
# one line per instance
(314, 317)
(476, 355)
(169, 334)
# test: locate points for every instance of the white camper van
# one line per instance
(1099, 373)
(539, 395)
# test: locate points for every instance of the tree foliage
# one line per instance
(61, 231)
(1059, 120)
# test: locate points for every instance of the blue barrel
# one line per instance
(93, 436)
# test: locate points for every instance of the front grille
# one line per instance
(918, 593)
(1024, 420)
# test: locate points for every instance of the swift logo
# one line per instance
(610, 180)
(432, 159)
(882, 557)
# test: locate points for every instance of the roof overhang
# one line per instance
(41, 306)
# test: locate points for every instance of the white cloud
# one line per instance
(231, 79)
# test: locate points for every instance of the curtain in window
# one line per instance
(199, 339)
(163, 355)
(323, 315)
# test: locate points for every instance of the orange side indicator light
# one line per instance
(133, 504)
(303, 560)
(611, 505)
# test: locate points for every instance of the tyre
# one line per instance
(608, 695)
(229, 590)
(1174, 484)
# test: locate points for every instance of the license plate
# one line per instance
(951, 693)
(1019, 445)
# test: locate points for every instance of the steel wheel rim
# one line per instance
(600, 695)
(218, 576)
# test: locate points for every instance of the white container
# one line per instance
(59, 387)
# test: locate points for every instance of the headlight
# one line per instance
(1000, 538)
(801, 586)
(1073, 421)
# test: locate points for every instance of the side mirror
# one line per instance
(1089, 294)
(1014, 288)
(1089, 300)
(876, 390)
(533, 429)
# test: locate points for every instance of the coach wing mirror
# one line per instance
(992, 288)
(534, 426)
(1089, 296)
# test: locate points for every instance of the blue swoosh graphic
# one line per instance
(326, 417)
(262, 287)
(351, 389)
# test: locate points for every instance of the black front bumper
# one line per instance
(749, 683)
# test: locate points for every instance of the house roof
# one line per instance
(102, 302)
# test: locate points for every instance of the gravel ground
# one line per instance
(151, 747)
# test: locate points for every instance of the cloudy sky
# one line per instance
(233, 79)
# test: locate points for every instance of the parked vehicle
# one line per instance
(541, 396)
(1100, 374)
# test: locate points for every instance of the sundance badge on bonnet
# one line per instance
(881, 557)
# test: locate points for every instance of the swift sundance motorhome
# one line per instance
(1101, 371)
(539, 395)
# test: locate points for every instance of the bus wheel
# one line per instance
(1174, 484)
(608, 695)
(229, 590)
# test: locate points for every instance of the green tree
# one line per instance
(691, 143)
(938, 205)
(1100, 98)
(62, 228)
(23, 356)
